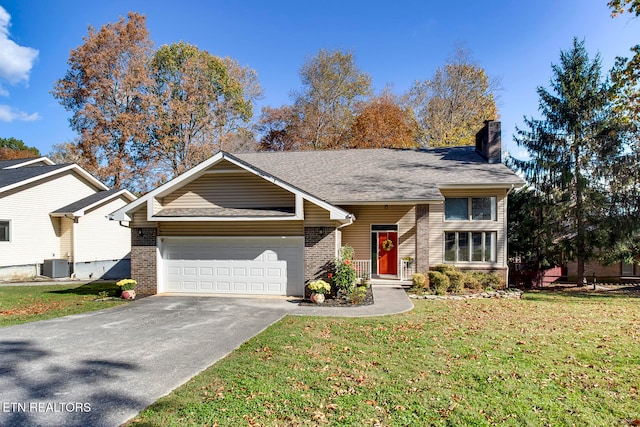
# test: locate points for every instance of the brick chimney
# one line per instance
(489, 142)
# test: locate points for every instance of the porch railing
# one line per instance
(362, 267)
(406, 269)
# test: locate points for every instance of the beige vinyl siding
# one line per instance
(231, 228)
(229, 190)
(358, 234)
(315, 216)
(438, 226)
(66, 238)
(98, 239)
(35, 235)
(156, 206)
(139, 218)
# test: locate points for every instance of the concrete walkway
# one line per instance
(102, 368)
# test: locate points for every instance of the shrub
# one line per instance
(420, 281)
(345, 275)
(358, 295)
(489, 280)
(346, 252)
(471, 281)
(495, 281)
(439, 282)
(443, 268)
(456, 281)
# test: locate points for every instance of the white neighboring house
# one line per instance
(53, 219)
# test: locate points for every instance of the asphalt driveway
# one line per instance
(102, 368)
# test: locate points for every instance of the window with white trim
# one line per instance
(470, 246)
(470, 209)
(5, 227)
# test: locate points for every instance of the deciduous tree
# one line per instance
(106, 89)
(572, 149)
(331, 86)
(452, 105)
(12, 148)
(65, 152)
(197, 104)
(279, 128)
(382, 123)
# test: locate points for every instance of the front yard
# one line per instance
(548, 359)
(21, 304)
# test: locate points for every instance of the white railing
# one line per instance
(362, 267)
(406, 269)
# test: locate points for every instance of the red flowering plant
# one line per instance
(344, 277)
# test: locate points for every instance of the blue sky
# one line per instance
(515, 41)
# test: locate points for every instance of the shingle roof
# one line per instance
(86, 202)
(14, 176)
(11, 162)
(379, 175)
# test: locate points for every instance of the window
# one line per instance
(470, 246)
(4, 231)
(627, 269)
(481, 209)
(456, 209)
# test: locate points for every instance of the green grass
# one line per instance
(546, 360)
(22, 304)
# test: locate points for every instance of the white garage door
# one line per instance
(233, 265)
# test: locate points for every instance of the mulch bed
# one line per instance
(341, 302)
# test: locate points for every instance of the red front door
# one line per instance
(388, 252)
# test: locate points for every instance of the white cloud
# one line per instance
(8, 114)
(15, 60)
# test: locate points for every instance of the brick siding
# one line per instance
(422, 238)
(144, 260)
(319, 253)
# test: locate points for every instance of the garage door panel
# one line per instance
(239, 272)
(206, 271)
(240, 287)
(234, 265)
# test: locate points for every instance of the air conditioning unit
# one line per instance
(55, 268)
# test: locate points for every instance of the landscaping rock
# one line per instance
(509, 293)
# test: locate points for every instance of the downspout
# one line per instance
(506, 237)
(73, 243)
(351, 218)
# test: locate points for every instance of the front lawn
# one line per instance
(21, 304)
(549, 359)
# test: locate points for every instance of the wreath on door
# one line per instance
(387, 245)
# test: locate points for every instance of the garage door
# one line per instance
(233, 265)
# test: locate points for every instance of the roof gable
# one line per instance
(223, 162)
(15, 177)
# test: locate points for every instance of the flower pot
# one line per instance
(317, 298)
(128, 294)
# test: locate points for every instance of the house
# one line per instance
(53, 220)
(618, 272)
(269, 222)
